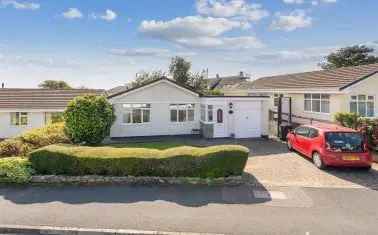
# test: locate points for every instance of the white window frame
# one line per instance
(276, 97)
(366, 101)
(129, 108)
(178, 108)
(311, 99)
(19, 121)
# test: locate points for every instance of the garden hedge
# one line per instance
(209, 162)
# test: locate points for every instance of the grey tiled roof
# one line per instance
(334, 78)
(19, 98)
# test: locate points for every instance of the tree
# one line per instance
(88, 119)
(350, 56)
(146, 77)
(179, 69)
(53, 84)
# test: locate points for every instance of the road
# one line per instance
(227, 210)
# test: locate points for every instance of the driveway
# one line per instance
(273, 165)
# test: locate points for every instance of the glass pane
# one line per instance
(307, 105)
(325, 97)
(182, 115)
(126, 118)
(361, 97)
(370, 97)
(316, 106)
(24, 118)
(325, 106)
(203, 113)
(354, 97)
(15, 119)
(137, 116)
(56, 117)
(210, 115)
(173, 115)
(362, 109)
(307, 96)
(316, 96)
(146, 115)
(370, 109)
(220, 116)
(353, 107)
(190, 115)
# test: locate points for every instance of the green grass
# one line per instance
(150, 145)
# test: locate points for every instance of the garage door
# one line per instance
(248, 119)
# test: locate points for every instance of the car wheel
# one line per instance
(317, 159)
(367, 168)
(289, 146)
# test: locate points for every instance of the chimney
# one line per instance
(242, 74)
(2, 85)
(217, 75)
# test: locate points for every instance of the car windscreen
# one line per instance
(344, 141)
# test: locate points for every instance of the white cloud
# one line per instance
(198, 31)
(329, 1)
(317, 2)
(72, 13)
(295, 20)
(109, 15)
(231, 8)
(140, 52)
(20, 5)
(293, 1)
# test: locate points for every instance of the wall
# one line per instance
(160, 96)
(35, 120)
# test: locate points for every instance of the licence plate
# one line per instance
(351, 158)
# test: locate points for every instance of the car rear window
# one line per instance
(344, 141)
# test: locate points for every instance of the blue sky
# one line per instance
(104, 43)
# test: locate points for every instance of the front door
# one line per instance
(219, 122)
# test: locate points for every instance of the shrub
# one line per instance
(13, 147)
(351, 120)
(88, 119)
(216, 161)
(50, 134)
(15, 170)
(35, 138)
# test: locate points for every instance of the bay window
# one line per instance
(182, 112)
(19, 119)
(317, 103)
(362, 105)
(136, 113)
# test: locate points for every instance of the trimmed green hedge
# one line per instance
(209, 162)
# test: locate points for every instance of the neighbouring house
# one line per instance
(24, 109)
(227, 84)
(164, 107)
(319, 95)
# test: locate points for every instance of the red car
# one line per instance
(331, 145)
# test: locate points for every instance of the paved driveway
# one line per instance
(271, 164)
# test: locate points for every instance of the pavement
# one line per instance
(198, 209)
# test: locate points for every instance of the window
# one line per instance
(136, 113)
(210, 113)
(203, 112)
(313, 133)
(53, 117)
(363, 105)
(276, 99)
(317, 103)
(302, 131)
(182, 112)
(219, 116)
(19, 119)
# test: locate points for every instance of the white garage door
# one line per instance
(247, 119)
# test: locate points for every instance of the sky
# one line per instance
(105, 43)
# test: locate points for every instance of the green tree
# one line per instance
(88, 119)
(53, 84)
(350, 56)
(146, 77)
(179, 69)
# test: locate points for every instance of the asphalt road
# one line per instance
(227, 210)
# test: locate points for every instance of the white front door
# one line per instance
(247, 119)
(219, 122)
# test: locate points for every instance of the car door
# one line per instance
(300, 139)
